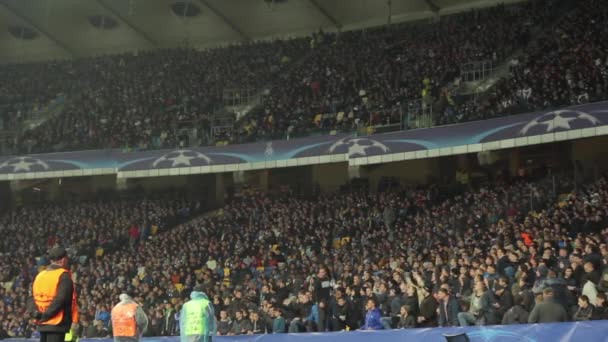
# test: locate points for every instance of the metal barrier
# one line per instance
(477, 71)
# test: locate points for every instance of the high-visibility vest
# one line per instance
(44, 292)
(70, 337)
(124, 323)
(195, 323)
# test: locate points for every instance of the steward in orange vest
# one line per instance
(56, 308)
(129, 322)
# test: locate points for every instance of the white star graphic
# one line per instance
(557, 122)
(22, 165)
(181, 160)
(357, 149)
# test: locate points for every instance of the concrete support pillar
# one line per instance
(514, 161)
(220, 190)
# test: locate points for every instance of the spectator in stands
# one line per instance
(224, 324)
(548, 310)
(322, 292)
(372, 317)
(448, 309)
(479, 307)
(516, 314)
(503, 300)
(257, 326)
(601, 307)
(406, 320)
(584, 311)
(278, 322)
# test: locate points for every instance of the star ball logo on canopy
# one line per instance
(358, 146)
(23, 164)
(183, 158)
(559, 119)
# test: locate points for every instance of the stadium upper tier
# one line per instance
(404, 75)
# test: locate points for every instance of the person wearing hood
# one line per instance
(197, 320)
(541, 279)
(129, 322)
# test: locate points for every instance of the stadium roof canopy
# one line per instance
(50, 29)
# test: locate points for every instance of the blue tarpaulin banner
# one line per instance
(591, 331)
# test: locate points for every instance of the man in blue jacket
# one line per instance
(372, 317)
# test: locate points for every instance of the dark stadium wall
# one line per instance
(419, 171)
(592, 149)
(200, 187)
(591, 154)
(6, 200)
(330, 177)
(299, 179)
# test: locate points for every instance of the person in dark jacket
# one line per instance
(503, 301)
(406, 320)
(356, 303)
(322, 292)
(155, 326)
(238, 324)
(517, 314)
(448, 309)
(94, 330)
(62, 303)
(257, 326)
(302, 311)
(548, 310)
(342, 315)
(601, 307)
(224, 324)
(428, 310)
(411, 300)
(585, 309)
(169, 324)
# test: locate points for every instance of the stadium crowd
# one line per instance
(364, 74)
(135, 100)
(566, 65)
(507, 252)
(86, 229)
(325, 81)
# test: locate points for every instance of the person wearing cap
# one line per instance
(55, 309)
(129, 322)
(197, 318)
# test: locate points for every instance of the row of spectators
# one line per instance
(399, 254)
